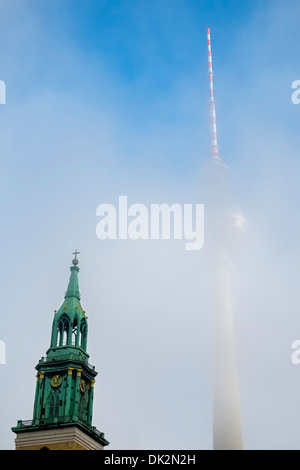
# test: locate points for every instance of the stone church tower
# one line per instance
(63, 404)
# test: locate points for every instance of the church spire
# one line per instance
(73, 286)
(70, 322)
(63, 404)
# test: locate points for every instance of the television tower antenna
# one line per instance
(214, 149)
(227, 433)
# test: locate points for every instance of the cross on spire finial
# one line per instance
(75, 260)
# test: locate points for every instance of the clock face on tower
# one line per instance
(56, 381)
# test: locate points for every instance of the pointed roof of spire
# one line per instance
(72, 319)
(71, 305)
(73, 286)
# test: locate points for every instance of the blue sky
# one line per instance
(109, 98)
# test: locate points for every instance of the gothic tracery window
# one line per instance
(74, 331)
(83, 334)
(54, 404)
(63, 331)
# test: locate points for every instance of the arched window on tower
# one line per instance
(82, 407)
(74, 332)
(83, 334)
(63, 331)
(54, 404)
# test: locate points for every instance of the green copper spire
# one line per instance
(69, 329)
(73, 287)
(65, 379)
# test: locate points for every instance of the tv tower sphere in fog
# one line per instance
(223, 224)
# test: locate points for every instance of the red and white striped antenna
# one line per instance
(214, 149)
